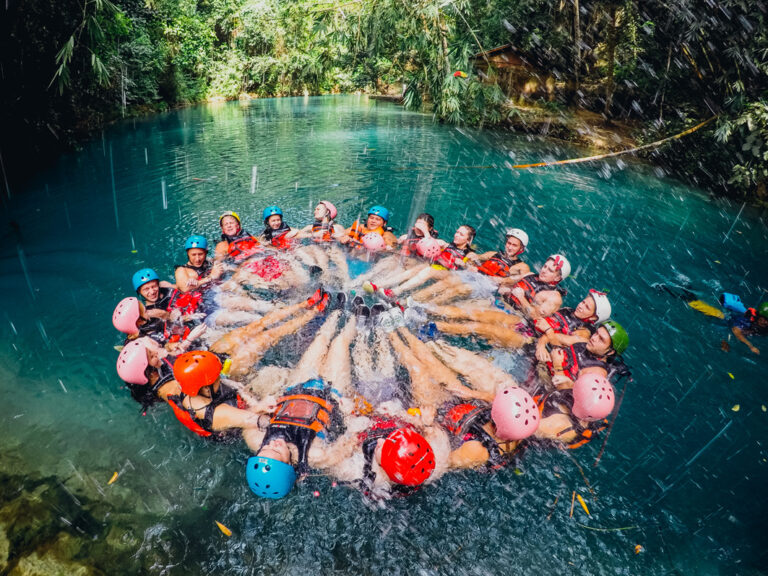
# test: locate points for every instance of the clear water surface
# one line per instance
(683, 474)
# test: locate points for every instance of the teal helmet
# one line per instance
(379, 211)
(143, 276)
(269, 478)
(619, 336)
(196, 241)
(271, 211)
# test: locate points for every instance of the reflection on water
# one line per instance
(683, 474)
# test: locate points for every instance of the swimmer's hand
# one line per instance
(755, 349)
(217, 270)
(562, 381)
(157, 313)
(558, 357)
(542, 354)
(193, 283)
(266, 406)
(193, 317)
(518, 293)
(196, 332)
(174, 315)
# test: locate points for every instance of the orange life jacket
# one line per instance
(357, 231)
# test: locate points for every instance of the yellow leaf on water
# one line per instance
(732, 376)
(638, 549)
(718, 262)
(763, 408)
(224, 530)
(583, 504)
(736, 407)
(113, 479)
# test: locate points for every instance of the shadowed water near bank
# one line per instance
(683, 473)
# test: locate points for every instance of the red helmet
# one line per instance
(194, 370)
(407, 457)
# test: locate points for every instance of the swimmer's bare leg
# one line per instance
(498, 335)
(339, 260)
(234, 302)
(230, 341)
(437, 369)
(314, 356)
(363, 358)
(421, 278)
(337, 368)
(395, 275)
(480, 372)
(426, 393)
(249, 354)
(487, 316)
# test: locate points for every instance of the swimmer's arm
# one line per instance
(567, 339)
(335, 453)
(186, 279)
(222, 249)
(225, 417)
(390, 239)
(469, 455)
(165, 284)
(556, 427)
(305, 232)
(484, 256)
(519, 271)
(742, 338)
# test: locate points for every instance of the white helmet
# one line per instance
(602, 305)
(520, 235)
(562, 264)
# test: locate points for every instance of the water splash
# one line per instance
(164, 193)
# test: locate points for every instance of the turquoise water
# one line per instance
(683, 474)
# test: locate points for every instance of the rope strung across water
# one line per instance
(612, 154)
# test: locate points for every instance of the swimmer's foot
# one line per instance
(377, 309)
(324, 301)
(316, 297)
(339, 301)
(357, 304)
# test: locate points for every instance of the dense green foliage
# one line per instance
(69, 65)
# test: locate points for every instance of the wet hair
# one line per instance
(472, 232)
(428, 218)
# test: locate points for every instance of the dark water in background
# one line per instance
(683, 472)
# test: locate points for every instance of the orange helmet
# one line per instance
(195, 370)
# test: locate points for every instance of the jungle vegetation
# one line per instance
(69, 66)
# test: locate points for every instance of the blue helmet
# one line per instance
(143, 276)
(272, 211)
(269, 478)
(196, 241)
(379, 211)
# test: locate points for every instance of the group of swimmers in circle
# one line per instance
(394, 385)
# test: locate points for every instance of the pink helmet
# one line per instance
(332, 212)
(593, 397)
(126, 314)
(132, 362)
(374, 242)
(428, 248)
(515, 414)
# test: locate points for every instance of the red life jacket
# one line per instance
(187, 302)
(558, 323)
(242, 248)
(269, 268)
(186, 419)
(497, 265)
(450, 255)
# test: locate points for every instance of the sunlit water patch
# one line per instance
(682, 475)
